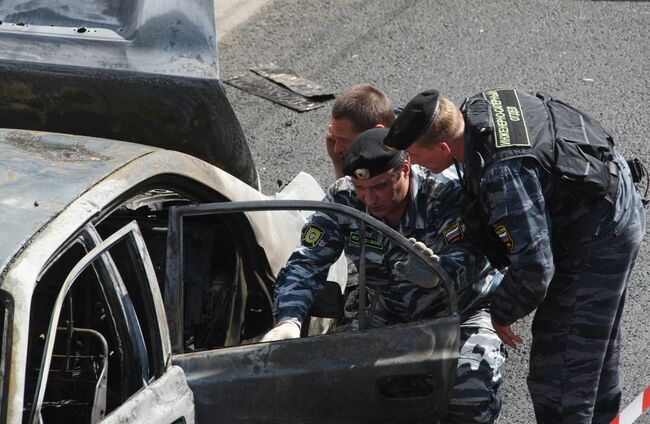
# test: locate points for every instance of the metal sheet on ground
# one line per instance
(264, 88)
(293, 82)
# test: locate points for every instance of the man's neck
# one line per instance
(394, 218)
(457, 144)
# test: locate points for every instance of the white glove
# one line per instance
(282, 331)
(415, 270)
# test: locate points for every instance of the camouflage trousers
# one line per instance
(574, 372)
(475, 397)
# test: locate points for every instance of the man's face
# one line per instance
(385, 195)
(437, 157)
(341, 134)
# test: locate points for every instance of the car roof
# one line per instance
(42, 173)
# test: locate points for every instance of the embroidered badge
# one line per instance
(510, 128)
(312, 235)
(372, 243)
(453, 233)
(504, 236)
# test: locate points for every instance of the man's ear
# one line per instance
(445, 150)
(444, 147)
(407, 168)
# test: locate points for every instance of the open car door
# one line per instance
(396, 374)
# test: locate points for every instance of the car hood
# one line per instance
(43, 173)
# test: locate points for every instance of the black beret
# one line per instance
(369, 156)
(414, 120)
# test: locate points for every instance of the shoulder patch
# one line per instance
(312, 235)
(504, 236)
(453, 233)
(510, 128)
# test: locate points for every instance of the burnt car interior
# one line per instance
(106, 348)
(97, 361)
(107, 344)
(226, 277)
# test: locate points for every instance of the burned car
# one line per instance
(138, 257)
(127, 297)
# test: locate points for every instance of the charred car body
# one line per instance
(133, 286)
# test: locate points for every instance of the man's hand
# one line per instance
(413, 269)
(282, 331)
(336, 158)
(506, 335)
(330, 142)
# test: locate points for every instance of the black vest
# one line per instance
(569, 145)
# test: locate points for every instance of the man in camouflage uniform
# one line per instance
(418, 204)
(546, 193)
(357, 109)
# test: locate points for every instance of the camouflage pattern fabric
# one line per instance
(432, 217)
(574, 269)
(476, 397)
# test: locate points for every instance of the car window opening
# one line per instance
(90, 367)
(226, 280)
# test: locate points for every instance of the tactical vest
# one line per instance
(570, 146)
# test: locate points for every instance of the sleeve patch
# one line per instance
(312, 235)
(453, 233)
(504, 236)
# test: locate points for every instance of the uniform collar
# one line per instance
(411, 219)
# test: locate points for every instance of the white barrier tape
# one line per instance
(634, 409)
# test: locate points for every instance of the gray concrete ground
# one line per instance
(593, 54)
(231, 13)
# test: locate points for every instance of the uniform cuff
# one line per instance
(288, 316)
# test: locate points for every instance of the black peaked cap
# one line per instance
(414, 120)
(369, 156)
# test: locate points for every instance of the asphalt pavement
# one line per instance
(593, 54)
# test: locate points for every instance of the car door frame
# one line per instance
(284, 381)
(161, 391)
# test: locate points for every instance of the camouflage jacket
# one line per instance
(431, 217)
(536, 220)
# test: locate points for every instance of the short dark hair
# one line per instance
(365, 106)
